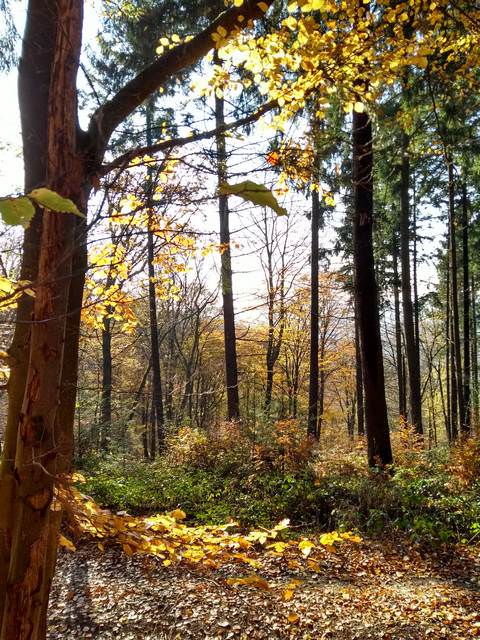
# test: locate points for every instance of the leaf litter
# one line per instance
(214, 582)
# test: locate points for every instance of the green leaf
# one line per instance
(17, 211)
(256, 193)
(51, 200)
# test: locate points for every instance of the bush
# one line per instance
(214, 476)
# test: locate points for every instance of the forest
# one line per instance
(239, 322)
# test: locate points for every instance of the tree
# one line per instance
(366, 295)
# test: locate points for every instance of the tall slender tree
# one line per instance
(408, 311)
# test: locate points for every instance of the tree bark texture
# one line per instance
(457, 351)
(376, 418)
(230, 340)
(466, 427)
(408, 312)
(359, 379)
(402, 408)
(38, 455)
(313, 378)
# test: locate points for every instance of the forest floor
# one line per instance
(374, 589)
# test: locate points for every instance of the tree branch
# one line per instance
(121, 162)
(113, 112)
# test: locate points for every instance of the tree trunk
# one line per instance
(38, 455)
(453, 385)
(230, 341)
(66, 409)
(106, 402)
(402, 409)
(313, 379)
(475, 403)
(378, 436)
(359, 379)
(158, 418)
(448, 346)
(457, 360)
(408, 315)
(466, 427)
(157, 398)
(33, 86)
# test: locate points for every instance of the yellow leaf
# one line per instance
(237, 3)
(178, 514)
(359, 107)
(293, 618)
(127, 549)
(222, 31)
(65, 542)
(306, 547)
(253, 580)
(287, 595)
(263, 6)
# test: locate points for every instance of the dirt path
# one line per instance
(369, 590)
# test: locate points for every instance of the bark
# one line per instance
(106, 401)
(457, 360)
(38, 456)
(158, 418)
(359, 379)
(66, 409)
(475, 399)
(408, 312)
(376, 418)
(230, 340)
(313, 379)
(453, 386)
(466, 426)
(448, 378)
(402, 409)
(276, 326)
(158, 421)
(33, 85)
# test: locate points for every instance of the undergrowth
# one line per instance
(432, 496)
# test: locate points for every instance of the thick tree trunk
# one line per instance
(33, 86)
(408, 313)
(66, 409)
(313, 379)
(376, 418)
(457, 352)
(230, 341)
(38, 455)
(402, 409)
(466, 427)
